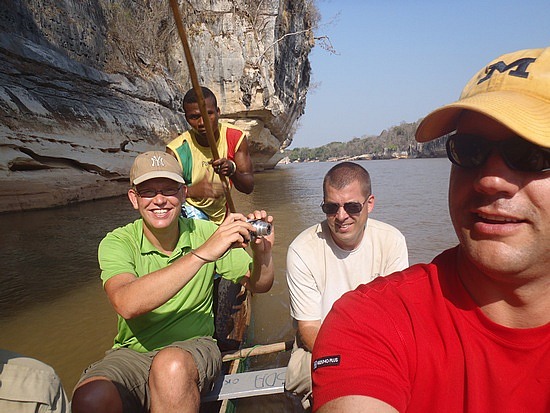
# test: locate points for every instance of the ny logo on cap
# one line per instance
(501, 67)
(157, 161)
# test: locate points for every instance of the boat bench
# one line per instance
(247, 384)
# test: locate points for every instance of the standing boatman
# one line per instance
(206, 198)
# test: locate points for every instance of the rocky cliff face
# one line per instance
(85, 85)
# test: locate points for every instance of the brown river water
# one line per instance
(52, 306)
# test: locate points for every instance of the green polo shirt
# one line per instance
(189, 313)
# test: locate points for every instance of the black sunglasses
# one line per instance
(151, 193)
(470, 151)
(352, 208)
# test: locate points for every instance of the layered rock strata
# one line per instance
(86, 85)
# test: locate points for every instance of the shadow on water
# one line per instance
(52, 305)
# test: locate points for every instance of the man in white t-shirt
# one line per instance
(334, 257)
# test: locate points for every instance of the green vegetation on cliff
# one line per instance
(395, 142)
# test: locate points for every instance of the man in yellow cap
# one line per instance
(469, 332)
(158, 273)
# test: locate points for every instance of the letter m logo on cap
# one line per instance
(520, 66)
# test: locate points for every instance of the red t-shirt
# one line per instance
(417, 341)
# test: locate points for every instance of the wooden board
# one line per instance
(248, 384)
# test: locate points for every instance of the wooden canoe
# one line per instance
(232, 313)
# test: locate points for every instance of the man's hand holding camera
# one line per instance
(239, 231)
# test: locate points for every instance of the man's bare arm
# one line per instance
(243, 178)
(307, 331)
(133, 296)
(356, 404)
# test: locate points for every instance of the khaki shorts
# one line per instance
(129, 370)
(298, 372)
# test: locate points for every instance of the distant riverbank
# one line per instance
(365, 157)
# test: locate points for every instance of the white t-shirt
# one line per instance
(319, 272)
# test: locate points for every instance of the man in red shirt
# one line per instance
(469, 332)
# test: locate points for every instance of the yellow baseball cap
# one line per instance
(155, 164)
(513, 89)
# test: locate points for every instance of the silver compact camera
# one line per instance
(262, 229)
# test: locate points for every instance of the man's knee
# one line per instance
(174, 364)
(96, 395)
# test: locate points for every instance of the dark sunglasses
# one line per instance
(151, 193)
(470, 151)
(352, 208)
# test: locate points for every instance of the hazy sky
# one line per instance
(399, 59)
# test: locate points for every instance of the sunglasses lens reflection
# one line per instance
(468, 151)
(330, 208)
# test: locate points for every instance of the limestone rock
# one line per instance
(86, 85)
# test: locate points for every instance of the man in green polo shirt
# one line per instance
(158, 275)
